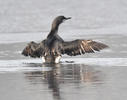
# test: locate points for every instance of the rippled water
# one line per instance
(99, 76)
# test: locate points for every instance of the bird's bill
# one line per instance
(68, 18)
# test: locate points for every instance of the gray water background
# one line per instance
(99, 76)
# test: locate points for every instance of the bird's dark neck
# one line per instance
(54, 30)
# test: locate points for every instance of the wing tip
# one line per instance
(24, 53)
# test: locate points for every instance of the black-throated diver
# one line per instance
(52, 48)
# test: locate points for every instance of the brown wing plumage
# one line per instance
(78, 47)
(33, 49)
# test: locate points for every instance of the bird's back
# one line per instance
(54, 43)
(53, 47)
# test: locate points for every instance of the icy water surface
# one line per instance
(99, 76)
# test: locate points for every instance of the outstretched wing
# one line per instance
(33, 49)
(78, 47)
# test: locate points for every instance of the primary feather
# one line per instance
(78, 47)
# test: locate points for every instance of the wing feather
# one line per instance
(33, 49)
(78, 47)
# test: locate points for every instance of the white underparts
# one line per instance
(57, 60)
(43, 59)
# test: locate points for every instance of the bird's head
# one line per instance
(58, 20)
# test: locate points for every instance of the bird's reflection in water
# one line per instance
(57, 75)
(52, 78)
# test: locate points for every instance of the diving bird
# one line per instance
(53, 47)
